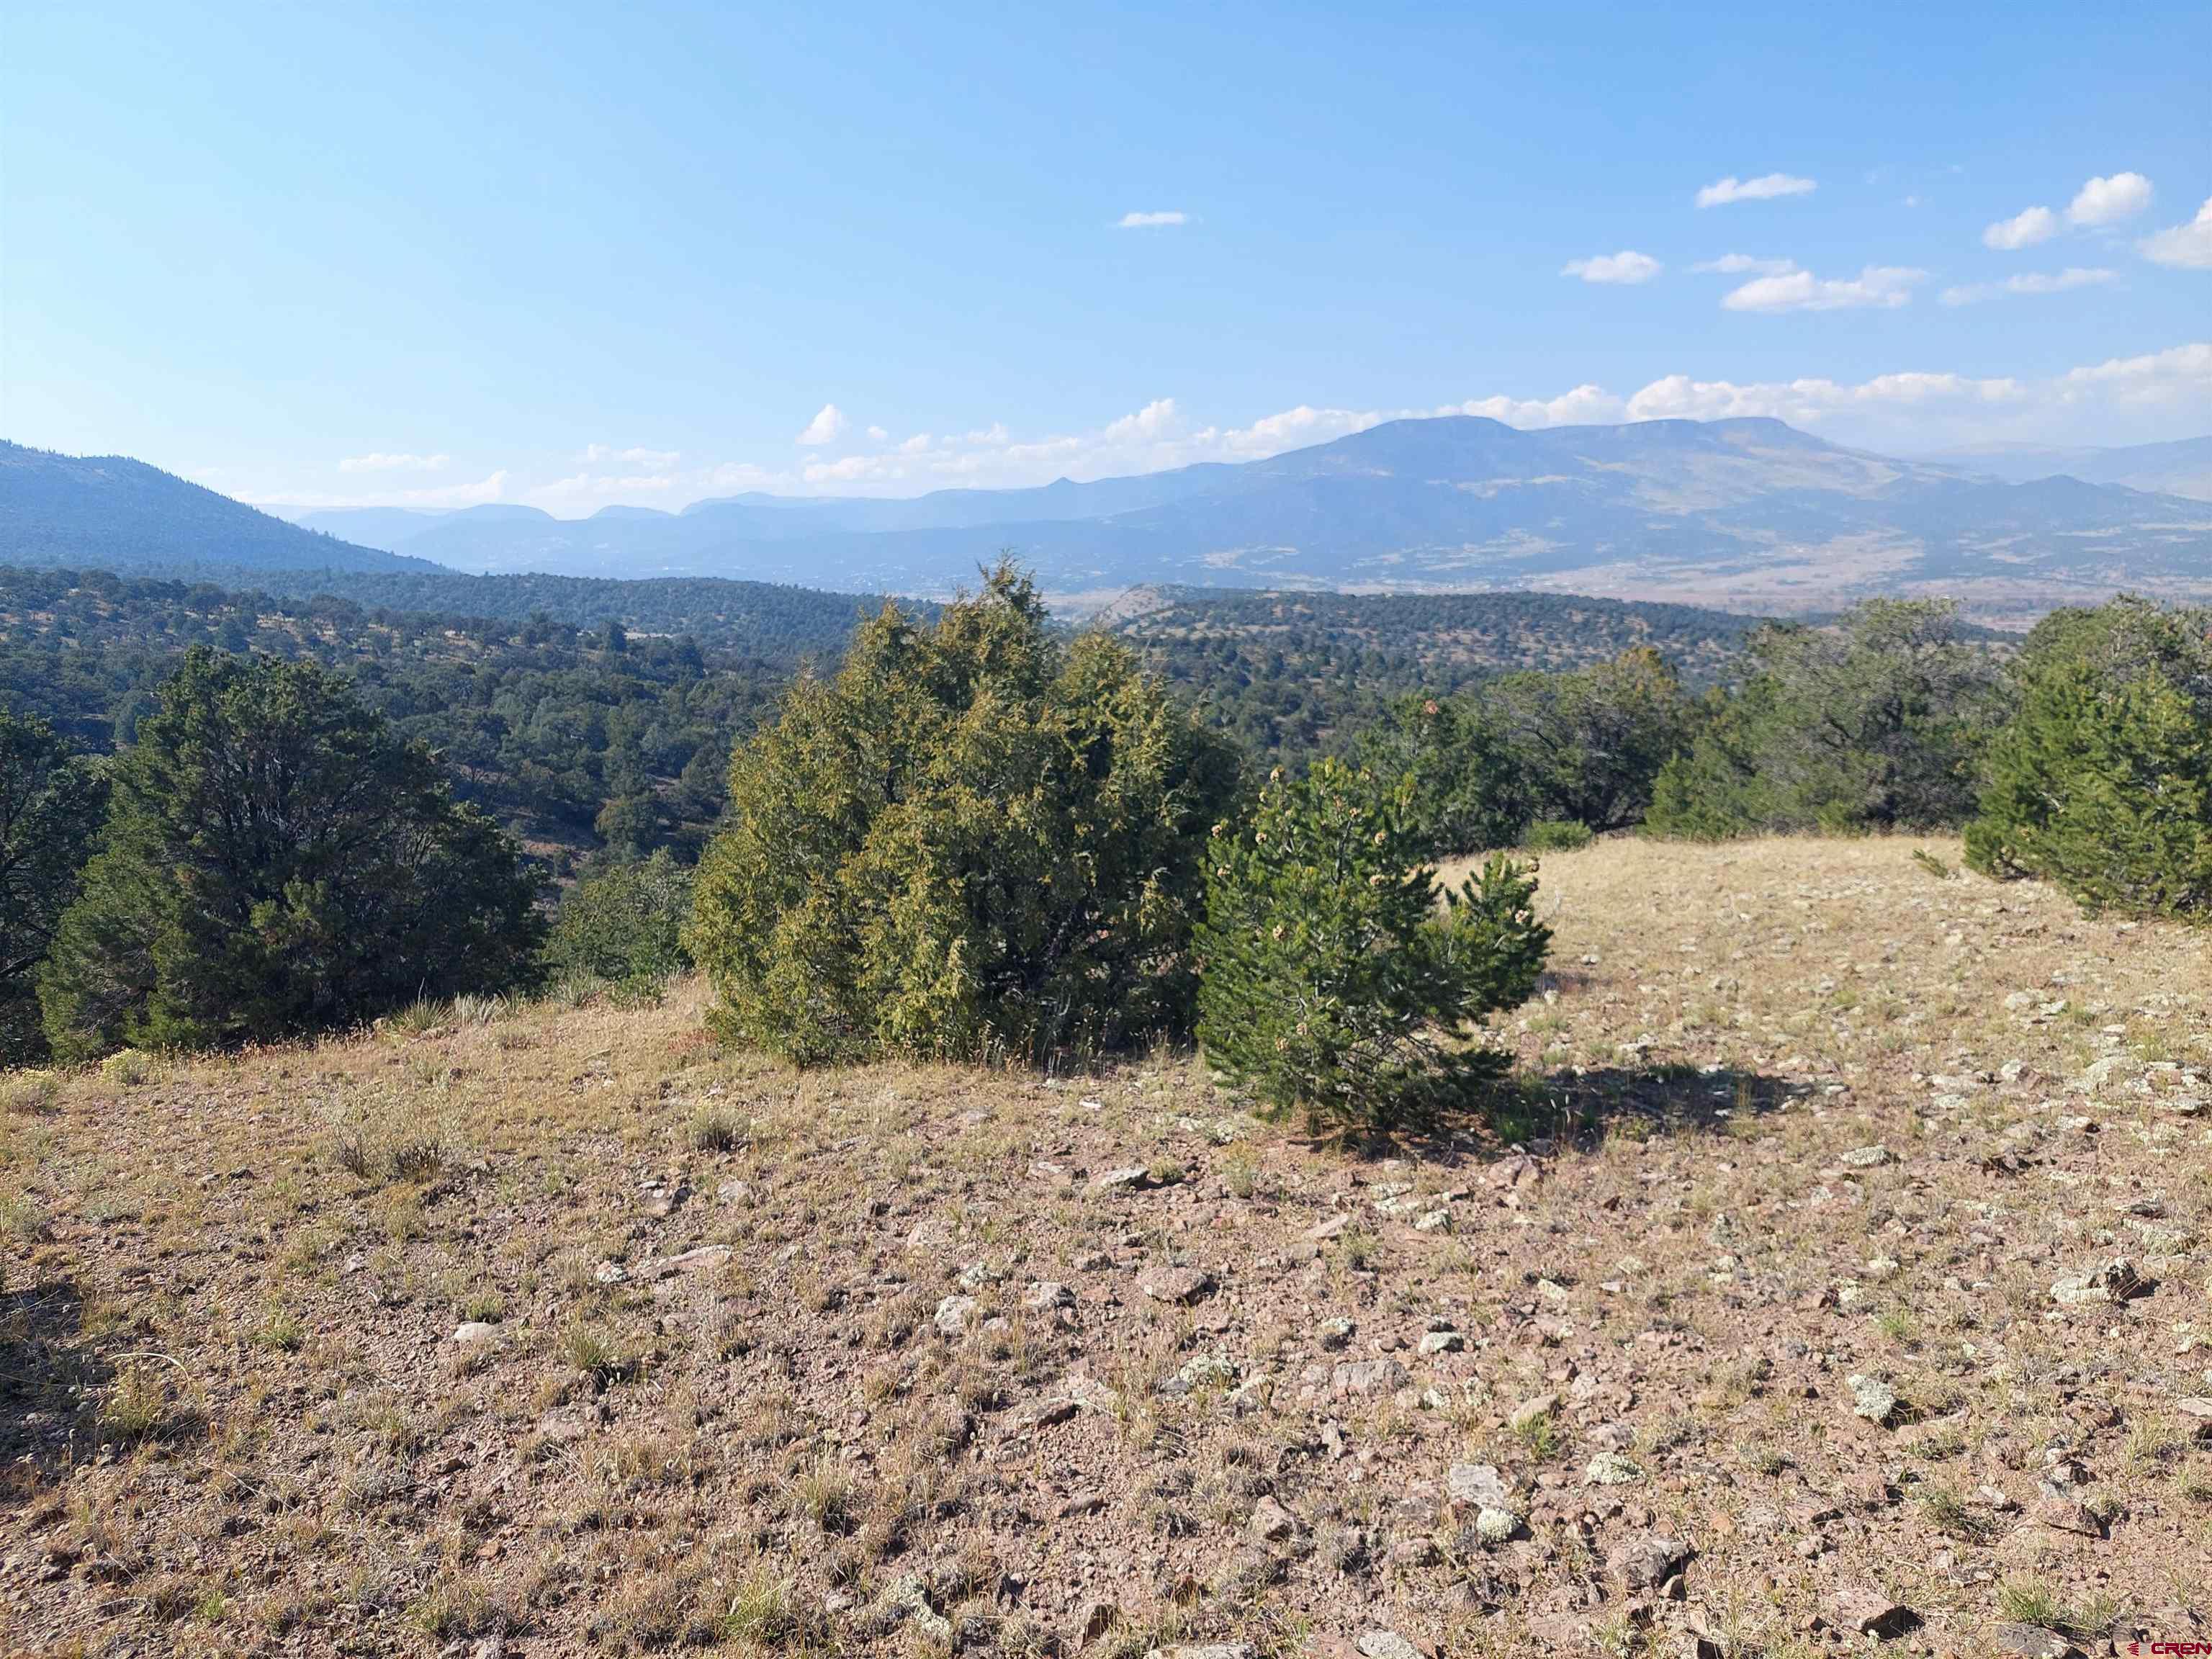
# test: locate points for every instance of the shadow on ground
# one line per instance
(48, 1376)
(1580, 1109)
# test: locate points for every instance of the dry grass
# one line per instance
(235, 1419)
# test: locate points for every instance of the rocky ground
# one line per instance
(1837, 1279)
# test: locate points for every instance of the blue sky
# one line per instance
(571, 256)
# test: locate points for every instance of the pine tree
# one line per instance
(1333, 984)
(51, 805)
(275, 861)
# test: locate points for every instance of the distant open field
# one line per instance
(545, 1330)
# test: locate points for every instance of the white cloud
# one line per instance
(1626, 266)
(1735, 264)
(828, 422)
(2024, 230)
(1151, 221)
(2033, 282)
(380, 462)
(485, 489)
(651, 460)
(2108, 201)
(876, 434)
(1884, 287)
(1765, 188)
(2188, 246)
(2178, 374)
(603, 486)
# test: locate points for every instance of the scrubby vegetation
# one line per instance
(622, 925)
(1877, 723)
(975, 840)
(2102, 779)
(1331, 984)
(275, 861)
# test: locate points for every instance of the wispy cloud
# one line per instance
(381, 461)
(1626, 266)
(483, 490)
(651, 460)
(2033, 282)
(2189, 246)
(1155, 221)
(2024, 230)
(1882, 287)
(828, 423)
(1736, 264)
(1765, 188)
(2108, 201)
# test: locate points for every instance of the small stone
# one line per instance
(1873, 1399)
(1863, 1611)
(2116, 1281)
(1530, 1411)
(1271, 1523)
(609, 1273)
(1433, 1221)
(2067, 1515)
(1131, 1178)
(1335, 1334)
(474, 1330)
(1387, 1644)
(1869, 1157)
(1364, 1378)
(1646, 1563)
(734, 1192)
(1205, 1370)
(952, 1317)
(1040, 1414)
(1181, 1284)
(1047, 1294)
(2033, 1642)
(1436, 1342)
(1476, 1484)
(705, 1259)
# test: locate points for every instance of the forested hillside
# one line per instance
(576, 739)
(1290, 673)
(121, 515)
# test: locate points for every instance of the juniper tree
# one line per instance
(975, 840)
(2102, 781)
(277, 859)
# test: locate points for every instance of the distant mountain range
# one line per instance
(1748, 513)
(2181, 468)
(107, 513)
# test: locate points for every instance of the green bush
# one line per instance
(2102, 781)
(624, 923)
(1559, 836)
(1333, 983)
(1877, 722)
(977, 840)
(275, 861)
(1581, 747)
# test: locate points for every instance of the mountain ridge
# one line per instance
(112, 512)
(1747, 513)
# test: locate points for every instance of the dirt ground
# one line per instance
(1835, 1277)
